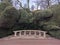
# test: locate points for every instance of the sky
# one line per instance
(31, 3)
(24, 2)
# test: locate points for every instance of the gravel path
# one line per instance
(30, 42)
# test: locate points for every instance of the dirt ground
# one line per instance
(30, 42)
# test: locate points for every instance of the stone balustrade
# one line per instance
(30, 33)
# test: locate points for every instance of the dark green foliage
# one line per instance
(25, 16)
(28, 10)
(56, 12)
(24, 19)
(3, 6)
(5, 32)
(8, 20)
(49, 20)
(42, 17)
(26, 26)
(8, 17)
(55, 33)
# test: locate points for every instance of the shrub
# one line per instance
(8, 17)
(8, 20)
(25, 16)
(55, 34)
(3, 6)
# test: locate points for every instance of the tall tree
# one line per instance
(45, 4)
(7, 1)
(32, 7)
(17, 2)
(48, 3)
(25, 6)
(58, 1)
(37, 2)
(28, 3)
(42, 4)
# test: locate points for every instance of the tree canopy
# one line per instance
(12, 19)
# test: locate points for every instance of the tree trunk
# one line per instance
(28, 3)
